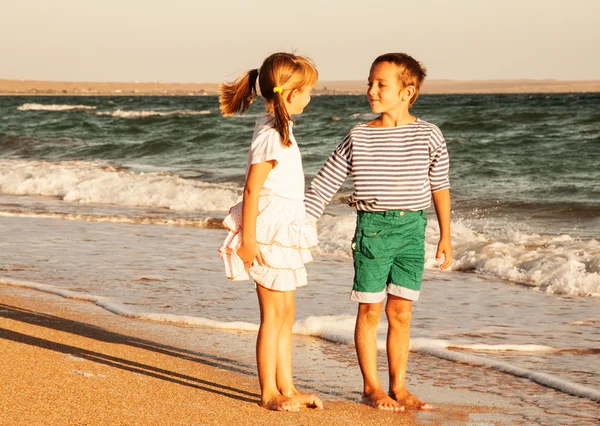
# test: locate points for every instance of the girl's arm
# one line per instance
(257, 175)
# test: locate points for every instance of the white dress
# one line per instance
(284, 234)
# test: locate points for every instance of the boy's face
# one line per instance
(385, 92)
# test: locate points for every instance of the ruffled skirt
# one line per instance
(284, 236)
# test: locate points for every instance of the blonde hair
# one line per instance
(410, 71)
(283, 70)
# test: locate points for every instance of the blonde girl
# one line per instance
(269, 236)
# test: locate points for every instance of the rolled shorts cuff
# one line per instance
(403, 292)
(363, 297)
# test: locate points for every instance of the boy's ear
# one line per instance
(409, 93)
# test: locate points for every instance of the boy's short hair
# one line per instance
(410, 71)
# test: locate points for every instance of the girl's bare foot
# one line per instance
(280, 403)
(382, 401)
(308, 400)
(407, 399)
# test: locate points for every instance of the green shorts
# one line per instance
(389, 255)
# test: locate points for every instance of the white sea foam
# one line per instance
(53, 107)
(140, 114)
(117, 113)
(586, 321)
(339, 329)
(99, 183)
(554, 264)
(174, 221)
(120, 309)
(562, 385)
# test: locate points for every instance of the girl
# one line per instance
(269, 235)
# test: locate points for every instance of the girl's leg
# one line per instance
(399, 312)
(272, 317)
(285, 381)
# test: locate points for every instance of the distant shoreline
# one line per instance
(57, 88)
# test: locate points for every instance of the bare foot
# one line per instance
(308, 400)
(280, 403)
(407, 399)
(382, 401)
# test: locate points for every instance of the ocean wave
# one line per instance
(553, 264)
(53, 107)
(208, 222)
(557, 264)
(141, 114)
(119, 309)
(119, 113)
(100, 183)
(337, 329)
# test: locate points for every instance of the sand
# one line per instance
(72, 363)
(55, 88)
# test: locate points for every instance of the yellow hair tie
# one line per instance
(258, 70)
(277, 89)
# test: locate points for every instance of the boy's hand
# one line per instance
(249, 252)
(444, 248)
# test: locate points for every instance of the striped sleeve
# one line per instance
(439, 161)
(329, 179)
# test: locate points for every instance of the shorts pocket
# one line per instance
(370, 243)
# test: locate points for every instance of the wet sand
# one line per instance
(56, 88)
(73, 363)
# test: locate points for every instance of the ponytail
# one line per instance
(282, 119)
(237, 97)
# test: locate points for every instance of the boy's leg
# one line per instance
(284, 378)
(272, 317)
(365, 337)
(399, 312)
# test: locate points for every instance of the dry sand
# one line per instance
(72, 363)
(54, 88)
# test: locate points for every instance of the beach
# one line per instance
(58, 88)
(115, 307)
(74, 364)
(83, 356)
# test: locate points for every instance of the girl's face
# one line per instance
(297, 100)
(385, 92)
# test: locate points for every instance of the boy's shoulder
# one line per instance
(419, 126)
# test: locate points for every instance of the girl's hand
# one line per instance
(444, 248)
(249, 252)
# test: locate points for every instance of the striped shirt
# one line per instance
(393, 168)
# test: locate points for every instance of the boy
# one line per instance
(398, 163)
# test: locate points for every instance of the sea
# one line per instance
(118, 201)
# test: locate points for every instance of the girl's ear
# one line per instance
(292, 95)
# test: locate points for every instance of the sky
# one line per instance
(204, 41)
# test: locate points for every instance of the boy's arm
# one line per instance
(440, 191)
(329, 179)
(441, 202)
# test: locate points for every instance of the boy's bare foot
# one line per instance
(280, 403)
(407, 399)
(308, 400)
(381, 400)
